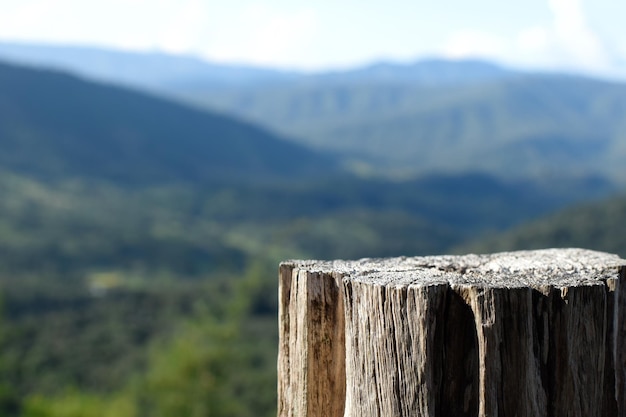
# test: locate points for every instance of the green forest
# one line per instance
(140, 240)
(112, 306)
(129, 307)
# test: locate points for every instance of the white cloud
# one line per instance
(578, 42)
(568, 15)
(314, 34)
(533, 39)
(470, 43)
(567, 42)
(267, 36)
(182, 33)
(67, 21)
(27, 15)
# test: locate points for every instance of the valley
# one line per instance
(141, 228)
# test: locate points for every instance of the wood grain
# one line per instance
(530, 333)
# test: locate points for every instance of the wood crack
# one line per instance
(531, 333)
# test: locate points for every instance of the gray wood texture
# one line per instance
(529, 333)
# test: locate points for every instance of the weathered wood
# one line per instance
(531, 333)
(311, 344)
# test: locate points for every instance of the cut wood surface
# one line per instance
(529, 333)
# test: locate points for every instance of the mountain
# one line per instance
(424, 72)
(139, 69)
(394, 119)
(208, 188)
(53, 125)
(161, 71)
(251, 187)
(539, 126)
(598, 225)
(139, 232)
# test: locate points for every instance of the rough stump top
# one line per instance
(535, 269)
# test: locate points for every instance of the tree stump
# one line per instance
(530, 333)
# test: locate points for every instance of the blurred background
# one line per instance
(159, 158)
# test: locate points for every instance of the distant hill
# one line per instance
(59, 127)
(539, 126)
(394, 119)
(145, 235)
(424, 72)
(147, 70)
(53, 125)
(210, 187)
(600, 226)
(157, 70)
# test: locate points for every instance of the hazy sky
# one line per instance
(579, 35)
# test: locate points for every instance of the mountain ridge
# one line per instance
(160, 69)
(151, 270)
(71, 135)
(55, 124)
(539, 125)
(406, 119)
(132, 68)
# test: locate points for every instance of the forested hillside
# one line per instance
(540, 126)
(55, 126)
(600, 226)
(160, 70)
(139, 241)
(393, 119)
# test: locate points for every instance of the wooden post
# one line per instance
(519, 334)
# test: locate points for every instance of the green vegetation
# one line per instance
(105, 235)
(134, 301)
(139, 243)
(540, 126)
(388, 119)
(204, 351)
(56, 126)
(600, 226)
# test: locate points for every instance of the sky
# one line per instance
(582, 36)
